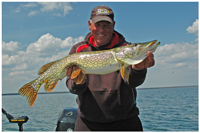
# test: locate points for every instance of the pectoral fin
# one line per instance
(124, 73)
(75, 73)
(80, 80)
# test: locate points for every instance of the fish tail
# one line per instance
(29, 92)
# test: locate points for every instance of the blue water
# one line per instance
(166, 109)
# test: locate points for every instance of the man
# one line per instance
(106, 102)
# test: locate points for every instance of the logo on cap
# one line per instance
(102, 11)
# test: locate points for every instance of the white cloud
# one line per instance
(180, 64)
(52, 6)
(17, 10)
(47, 48)
(78, 39)
(29, 5)
(58, 56)
(10, 60)
(175, 65)
(5, 58)
(69, 41)
(177, 55)
(46, 45)
(16, 73)
(57, 14)
(49, 6)
(25, 6)
(58, 8)
(20, 67)
(194, 29)
(10, 47)
(32, 13)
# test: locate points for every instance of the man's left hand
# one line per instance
(147, 62)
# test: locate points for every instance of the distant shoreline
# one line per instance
(136, 88)
(169, 87)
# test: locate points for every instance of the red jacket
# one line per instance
(106, 98)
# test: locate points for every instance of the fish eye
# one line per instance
(135, 44)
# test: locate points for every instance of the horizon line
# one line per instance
(136, 88)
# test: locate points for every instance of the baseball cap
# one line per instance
(101, 13)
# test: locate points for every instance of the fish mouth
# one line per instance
(153, 45)
(153, 42)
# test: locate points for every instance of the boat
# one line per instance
(66, 119)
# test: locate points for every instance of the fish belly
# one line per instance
(103, 70)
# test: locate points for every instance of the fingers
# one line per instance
(147, 62)
(71, 69)
(151, 60)
(69, 72)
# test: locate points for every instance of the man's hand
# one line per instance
(69, 73)
(147, 62)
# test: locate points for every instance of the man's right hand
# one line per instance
(69, 73)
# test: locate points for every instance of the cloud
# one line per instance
(177, 55)
(52, 6)
(57, 14)
(5, 58)
(16, 73)
(194, 29)
(17, 10)
(47, 48)
(46, 45)
(176, 64)
(10, 60)
(10, 47)
(56, 8)
(32, 13)
(20, 66)
(25, 6)
(69, 41)
(29, 5)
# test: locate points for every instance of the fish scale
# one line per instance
(96, 62)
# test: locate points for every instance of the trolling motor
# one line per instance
(66, 119)
(18, 119)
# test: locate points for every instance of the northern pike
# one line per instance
(97, 62)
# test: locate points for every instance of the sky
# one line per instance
(36, 33)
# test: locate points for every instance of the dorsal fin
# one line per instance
(45, 67)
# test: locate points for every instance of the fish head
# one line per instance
(135, 53)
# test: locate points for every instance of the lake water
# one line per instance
(166, 109)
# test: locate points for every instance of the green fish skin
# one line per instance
(97, 62)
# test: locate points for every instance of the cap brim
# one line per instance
(101, 18)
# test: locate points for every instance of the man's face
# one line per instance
(102, 32)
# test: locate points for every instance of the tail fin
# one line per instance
(29, 92)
